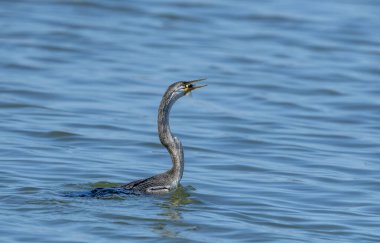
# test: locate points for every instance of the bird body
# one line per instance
(170, 179)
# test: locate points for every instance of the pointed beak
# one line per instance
(190, 86)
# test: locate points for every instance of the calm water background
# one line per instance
(283, 145)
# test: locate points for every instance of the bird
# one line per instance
(169, 180)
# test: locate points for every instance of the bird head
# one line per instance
(185, 87)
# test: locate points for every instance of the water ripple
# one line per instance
(283, 144)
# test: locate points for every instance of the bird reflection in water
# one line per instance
(172, 223)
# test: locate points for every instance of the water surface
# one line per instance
(282, 146)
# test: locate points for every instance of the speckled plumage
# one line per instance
(170, 179)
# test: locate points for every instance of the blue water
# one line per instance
(282, 146)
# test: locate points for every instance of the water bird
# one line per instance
(169, 180)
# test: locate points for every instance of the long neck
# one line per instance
(172, 143)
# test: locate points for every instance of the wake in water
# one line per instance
(102, 192)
